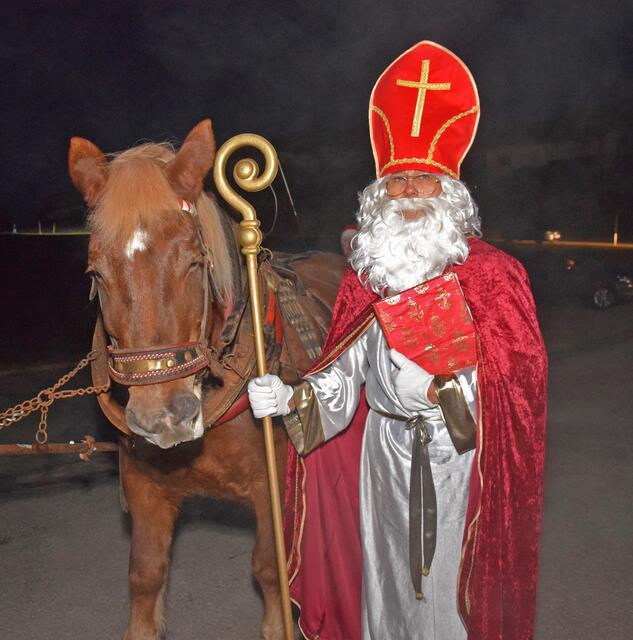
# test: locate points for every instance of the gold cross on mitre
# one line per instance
(422, 86)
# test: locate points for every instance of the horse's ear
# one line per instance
(193, 161)
(87, 167)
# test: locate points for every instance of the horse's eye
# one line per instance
(195, 264)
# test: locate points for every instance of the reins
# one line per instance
(41, 402)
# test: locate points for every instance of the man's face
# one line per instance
(413, 184)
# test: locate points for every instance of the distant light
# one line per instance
(550, 236)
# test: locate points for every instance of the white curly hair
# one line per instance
(392, 252)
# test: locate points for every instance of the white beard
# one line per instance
(392, 254)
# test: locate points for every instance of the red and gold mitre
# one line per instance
(423, 112)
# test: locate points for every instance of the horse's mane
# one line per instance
(137, 194)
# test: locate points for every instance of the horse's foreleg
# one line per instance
(264, 565)
(153, 512)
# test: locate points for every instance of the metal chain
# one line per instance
(45, 398)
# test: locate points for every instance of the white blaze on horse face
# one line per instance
(138, 242)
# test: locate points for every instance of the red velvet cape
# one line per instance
(498, 573)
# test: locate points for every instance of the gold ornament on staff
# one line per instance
(246, 176)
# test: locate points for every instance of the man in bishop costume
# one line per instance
(395, 530)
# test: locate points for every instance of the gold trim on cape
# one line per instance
(343, 345)
(473, 527)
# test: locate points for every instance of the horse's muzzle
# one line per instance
(178, 421)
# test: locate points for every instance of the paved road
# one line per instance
(64, 541)
(586, 581)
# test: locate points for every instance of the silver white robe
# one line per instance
(389, 606)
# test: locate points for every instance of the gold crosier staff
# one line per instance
(246, 175)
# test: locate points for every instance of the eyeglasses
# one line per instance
(423, 183)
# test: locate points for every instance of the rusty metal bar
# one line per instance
(84, 449)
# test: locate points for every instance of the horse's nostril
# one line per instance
(185, 407)
(144, 422)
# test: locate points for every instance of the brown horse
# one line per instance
(164, 263)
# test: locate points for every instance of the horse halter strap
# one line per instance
(166, 362)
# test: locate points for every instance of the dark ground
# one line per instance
(64, 540)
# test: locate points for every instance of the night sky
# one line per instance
(555, 81)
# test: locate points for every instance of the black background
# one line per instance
(555, 83)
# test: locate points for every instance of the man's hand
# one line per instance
(269, 396)
(411, 382)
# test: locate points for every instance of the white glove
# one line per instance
(411, 383)
(269, 396)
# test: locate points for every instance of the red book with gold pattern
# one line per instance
(431, 325)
